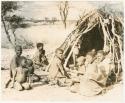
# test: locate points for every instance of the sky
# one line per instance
(41, 9)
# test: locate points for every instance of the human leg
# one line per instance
(35, 78)
(7, 83)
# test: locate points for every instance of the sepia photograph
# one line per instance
(62, 50)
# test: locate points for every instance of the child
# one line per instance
(39, 59)
(89, 58)
(81, 65)
(56, 70)
(15, 62)
(92, 81)
(80, 69)
(33, 76)
(19, 81)
(77, 74)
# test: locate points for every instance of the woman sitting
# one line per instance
(94, 78)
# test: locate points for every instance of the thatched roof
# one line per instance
(89, 21)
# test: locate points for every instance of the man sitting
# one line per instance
(57, 73)
(20, 76)
(15, 62)
(92, 81)
(40, 61)
(32, 76)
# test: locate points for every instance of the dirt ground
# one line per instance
(44, 92)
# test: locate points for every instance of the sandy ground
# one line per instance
(42, 92)
(54, 38)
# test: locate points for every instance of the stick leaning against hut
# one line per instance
(110, 34)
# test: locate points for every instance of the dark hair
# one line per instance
(58, 49)
(18, 47)
(39, 45)
(21, 59)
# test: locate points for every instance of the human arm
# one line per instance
(13, 66)
(62, 70)
(60, 66)
(30, 73)
(92, 72)
(36, 59)
(29, 78)
(37, 62)
(44, 60)
(81, 70)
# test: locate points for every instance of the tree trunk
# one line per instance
(14, 37)
(64, 22)
(6, 31)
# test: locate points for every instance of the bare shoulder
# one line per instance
(57, 60)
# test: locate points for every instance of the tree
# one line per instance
(64, 10)
(46, 19)
(11, 22)
(15, 22)
(6, 7)
(54, 19)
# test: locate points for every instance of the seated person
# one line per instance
(107, 66)
(40, 61)
(90, 83)
(108, 56)
(76, 75)
(80, 68)
(89, 59)
(57, 73)
(110, 66)
(102, 66)
(33, 76)
(19, 81)
(15, 62)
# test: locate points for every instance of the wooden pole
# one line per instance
(50, 62)
(70, 53)
(119, 42)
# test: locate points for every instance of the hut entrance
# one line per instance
(92, 40)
